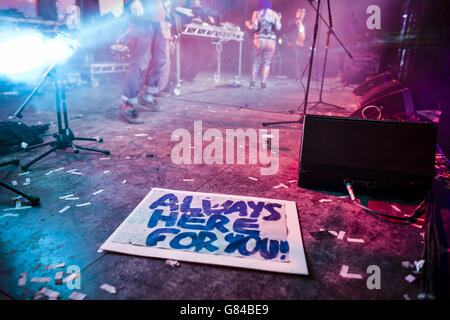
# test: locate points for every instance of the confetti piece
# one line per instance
(72, 199)
(281, 185)
(172, 263)
(71, 277)
(24, 173)
(38, 295)
(41, 280)
(52, 295)
(188, 180)
(50, 172)
(97, 192)
(333, 233)
(72, 170)
(58, 277)
(14, 209)
(105, 159)
(325, 200)
(292, 181)
(9, 215)
(67, 196)
(83, 204)
(141, 135)
(406, 297)
(77, 296)
(22, 279)
(410, 278)
(149, 138)
(396, 208)
(59, 169)
(106, 171)
(108, 288)
(344, 273)
(63, 209)
(419, 264)
(14, 183)
(355, 240)
(254, 179)
(407, 264)
(124, 181)
(78, 173)
(341, 235)
(55, 266)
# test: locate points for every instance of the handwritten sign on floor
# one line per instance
(237, 231)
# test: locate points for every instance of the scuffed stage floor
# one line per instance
(140, 155)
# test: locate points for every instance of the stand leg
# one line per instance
(39, 145)
(107, 152)
(25, 167)
(33, 200)
(88, 139)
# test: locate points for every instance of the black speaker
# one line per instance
(372, 82)
(385, 158)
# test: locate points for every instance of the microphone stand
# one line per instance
(316, 28)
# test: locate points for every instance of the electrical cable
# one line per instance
(420, 210)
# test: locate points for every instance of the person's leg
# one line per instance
(155, 79)
(257, 58)
(268, 52)
(134, 78)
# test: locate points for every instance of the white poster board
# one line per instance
(227, 230)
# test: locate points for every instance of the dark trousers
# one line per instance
(148, 61)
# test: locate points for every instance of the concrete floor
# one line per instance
(41, 236)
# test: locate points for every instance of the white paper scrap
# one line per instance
(9, 215)
(72, 199)
(188, 180)
(325, 200)
(141, 135)
(254, 179)
(395, 208)
(97, 192)
(172, 263)
(71, 277)
(77, 296)
(58, 277)
(355, 240)
(67, 196)
(83, 204)
(22, 279)
(24, 173)
(63, 209)
(124, 181)
(59, 169)
(50, 172)
(344, 273)
(55, 266)
(53, 295)
(407, 264)
(40, 280)
(341, 235)
(108, 288)
(14, 183)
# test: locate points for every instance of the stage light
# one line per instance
(27, 51)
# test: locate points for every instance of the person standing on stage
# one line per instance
(149, 41)
(300, 52)
(264, 22)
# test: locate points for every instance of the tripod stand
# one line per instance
(330, 32)
(64, 137)
(33, 200)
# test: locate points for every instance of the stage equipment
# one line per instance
(311, 60)
(64, 137)
(33, 200)
(218, 35)
(372, 82)
(385, 100)
(387, 158)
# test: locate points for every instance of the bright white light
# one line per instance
(28, 51)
